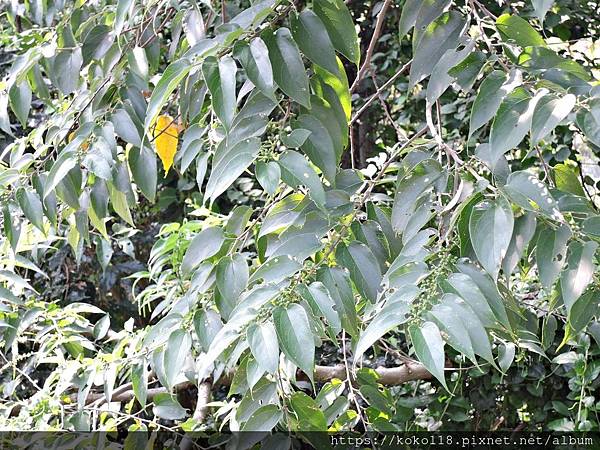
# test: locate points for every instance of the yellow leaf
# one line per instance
(166, 136)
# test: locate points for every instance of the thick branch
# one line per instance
(200, 412)
(389, 376)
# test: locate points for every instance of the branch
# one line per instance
(374, 39)
(200, 412)
(389, 376)
(126, 395)
(375, 96)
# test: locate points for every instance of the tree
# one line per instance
(419, 202)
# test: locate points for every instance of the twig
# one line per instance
(399, 132)
(482, 31)
(374, 97)
(372, 44)
(351, 394)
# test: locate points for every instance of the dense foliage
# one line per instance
(299, 215)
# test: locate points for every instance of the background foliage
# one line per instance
(307, 216)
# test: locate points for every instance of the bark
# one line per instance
(389, 376)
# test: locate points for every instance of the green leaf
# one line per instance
(337, 282)
(288, 69)
(20, 101)
(506, 355)
(440, 78)
(296, 138)
(207, 324)
(466, 288)
(363, 266)
(262, 339)
(490, 228)
(551, 253)
(101, 327)
(276, 269)
(591, 226)
(441, 35)
(263, 419)
(4, 119)
(588, 121)
(238, 219)
(579, 271)
(31, 206)
(321, 303)
(254, 58)
(232, 278)
(125, 127)
(523, 232)
(512, 123)
(310, 34)
(531, 194)
(65, 68)
(448, 319)
(96, 43)
(268, 176)
(295, 337)
(465, 73)
(340, 87)
(429, 10)
(204, 245)
(340, 25)
(229, 163)
(409, 189)
(429, 348)
(143, 168)
(69, 188)
(329, 113)
(394, 313)
(99, 159)
(514, 29)
(139, 381)
(543, 59)
(548, 113)
(64, 163)
(295, 171)
(118, 201)
(12, 228)
(178, 348)
(318, 146)
(583, 310)
(492, 91)
(371, 234)
(300, 242)
(541, 8)
(191, 146)
(168, 82)
(220, 80)
(310, 417)
(470, 322)
(123, 11)
(167, 407)
(566, 178)
(408, 17)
